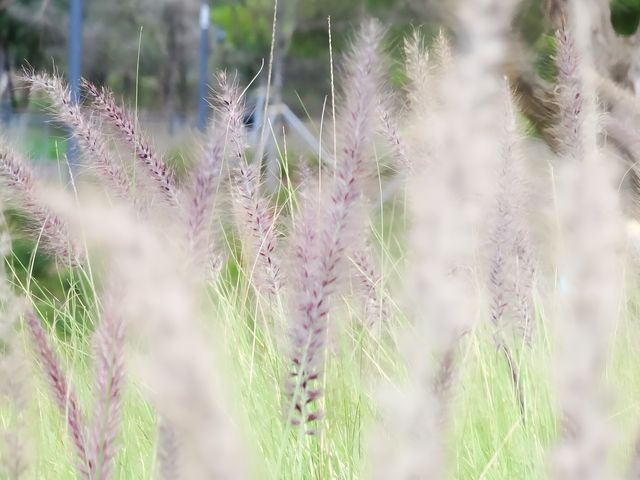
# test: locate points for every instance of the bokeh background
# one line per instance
(150, 52)
(155, 55)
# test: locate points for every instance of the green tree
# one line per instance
(26, 29)
(625, 16)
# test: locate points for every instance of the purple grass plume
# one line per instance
(511, 270)
(167, 453)
(22, 189)
(322, 236)
(64, 397)
(569, 96)
(84, 130)
(15, 394)
(153, 164)
(369, 281)
(391, 133)
(447, 204)
(109, 378)
(225, 142)
(259, 219)
(590, 238)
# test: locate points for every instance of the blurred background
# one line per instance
(160, 56)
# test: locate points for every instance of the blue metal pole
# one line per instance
(75, 61)
(75, 47)
(204, 64)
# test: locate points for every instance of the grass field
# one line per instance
(489, 438)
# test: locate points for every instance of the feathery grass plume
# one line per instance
(420, 81)
(22, 189)
(109, 378)
(370, 280)
(589, 239)
(426, 71)
(568, 96)
(443, 55)
(391, 132)
(626, 138)
(225, 136)
(15, 456)
(523, 288)
(258, 218)
(425, 68)
(448, 199)
(501, 283)
(63, 395)
(511, 268)
(153, 164)
(167, 453)
(83, 130)
(231, 105)
(320, 246)
(13, 462)
(418, 68)
(177, 364)
(623, 133)
(15, 448)
(308, 338)
(619, 98)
